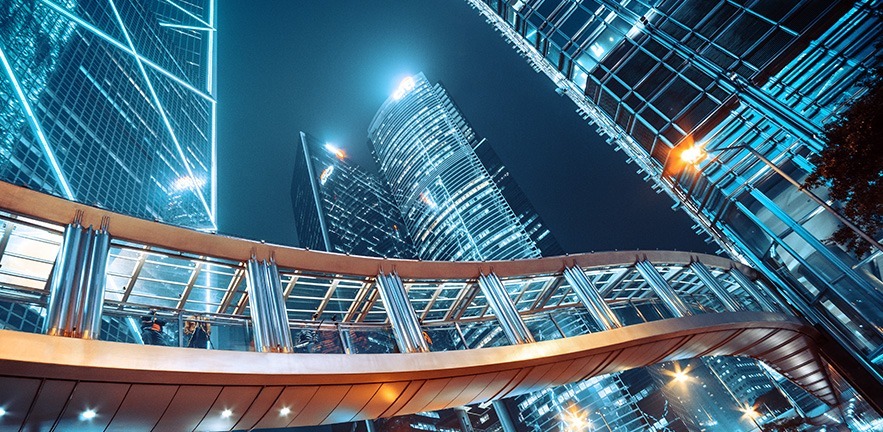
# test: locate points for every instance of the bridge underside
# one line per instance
(46, 381)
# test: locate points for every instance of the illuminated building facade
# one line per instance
(112, 104)
(451, 206)
(517, 200)
(341, 207)
(745, 89)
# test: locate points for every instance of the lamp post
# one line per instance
(696, 153)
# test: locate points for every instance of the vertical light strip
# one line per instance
(159, 107)
(210, 81)
(38, 131)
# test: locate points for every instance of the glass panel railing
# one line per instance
(443, 337)
(363, 339)
(317, 338)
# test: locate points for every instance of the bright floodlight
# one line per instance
(574, 422)
(336, 151)
(694, 154)
(187, 182)
(89, 414)
(226, 413)
(749, 411)
(285, 411)
(405, 86)
(681, 376)
(2, 412)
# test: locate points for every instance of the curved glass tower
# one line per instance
(450, 204)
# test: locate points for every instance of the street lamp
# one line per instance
(750, 412)
(574, 421)
(696, 153)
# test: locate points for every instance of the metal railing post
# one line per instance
(662, 289)
(402, 318)
(714, 285)
(498, 299)
(591, 298)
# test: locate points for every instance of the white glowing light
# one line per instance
(681, 376)
(226, 413)
(285, 411)
(694, 154)
(335, 150)
(188, 182)
(89, 414)
(405, 86)
(325, 174)
(427, 199)
(597, 50)
(2, 412)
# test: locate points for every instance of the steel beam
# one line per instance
(662, 289)
(498, 300)
(591, 298)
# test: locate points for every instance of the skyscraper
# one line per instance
(536, 228)
(341, 207)
(745, 90)
(112, 104)
(451, 206)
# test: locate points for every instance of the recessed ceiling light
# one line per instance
(88, 414)
(2, 412)
(226, 413)
(285, 411)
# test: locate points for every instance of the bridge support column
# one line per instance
(463, 417)
(268, 314)
(405, 325)
(663, 290)
(591, 298)
(504, 309)
(76, 287)
(503, 415)
(752, 290)
(708, 279)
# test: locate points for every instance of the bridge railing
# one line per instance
(262, 297)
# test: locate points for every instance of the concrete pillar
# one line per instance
(503, 415)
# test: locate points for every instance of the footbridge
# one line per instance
(301, 337)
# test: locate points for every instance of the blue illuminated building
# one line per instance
(722, 106)
(450, 204)
(341, 207)
(112, 104)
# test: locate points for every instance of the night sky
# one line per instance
(325, 67)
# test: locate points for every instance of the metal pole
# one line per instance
(662, 289)
(504, 309)
(62, 281)
(402, 318)
(752, 290)
(714, 285)
(94, 306)
(591, 298)
(278, 309)
(252, 272)
(503, 415)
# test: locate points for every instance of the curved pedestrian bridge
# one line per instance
(304, 338)
(185, 389)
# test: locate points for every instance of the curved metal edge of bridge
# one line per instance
(47, 208)
(190, 388)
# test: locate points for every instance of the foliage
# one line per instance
(852, 165)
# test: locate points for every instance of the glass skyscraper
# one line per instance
(451, 206)
(111, 103)
(341, 207)
(748, 86)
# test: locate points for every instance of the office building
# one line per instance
(536, 228)
(112, 104)
(451, 206)
(722, 106)
(341, 207)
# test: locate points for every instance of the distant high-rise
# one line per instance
(723, 106)
(112, 103)
(518, 202)
(341, 207)
(451, 205)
